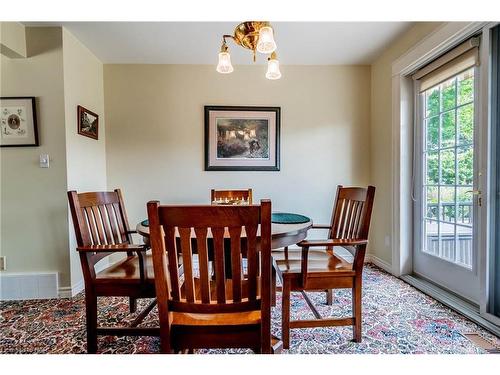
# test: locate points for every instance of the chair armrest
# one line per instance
(321, 226)
(334, 242)
(123, 247)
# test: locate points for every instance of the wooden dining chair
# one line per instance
(317, 267)
(102, 229)
(228, 196)
(201, 311)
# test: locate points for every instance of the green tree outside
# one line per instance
(450, 125)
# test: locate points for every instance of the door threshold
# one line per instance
(451, 300)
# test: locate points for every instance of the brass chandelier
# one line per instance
(257, 36)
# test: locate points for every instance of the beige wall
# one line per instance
(381, 139)
(12, 39)
(34, 225)
(36, 229)
(336, 128)
(85, 157)
(155, 141)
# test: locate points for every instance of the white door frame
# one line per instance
(442, 39)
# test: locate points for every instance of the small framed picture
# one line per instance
(18, 122)
(88, 123)
(242, 138)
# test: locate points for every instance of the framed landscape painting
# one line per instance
(242, 138)
(18, 127)
(88, 123)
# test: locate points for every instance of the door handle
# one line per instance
(478, 193)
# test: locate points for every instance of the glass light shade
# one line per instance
(224, 66)
(266, 43)
(273, 69)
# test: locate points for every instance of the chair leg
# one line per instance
(133, 305)
(285, 314)
(273, 286)
(329, 297)
(356, 307)
(91, 316)
(165, 347)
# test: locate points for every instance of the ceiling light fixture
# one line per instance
(257, 36)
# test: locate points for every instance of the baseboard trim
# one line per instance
(71, 291)
(463, 307)
(370, 258)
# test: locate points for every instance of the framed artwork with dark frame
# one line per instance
(88, 123)
(18, 126)
(242, 138)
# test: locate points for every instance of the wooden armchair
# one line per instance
(101, 228)
(220, 311)
(313, 269)
(228, 196)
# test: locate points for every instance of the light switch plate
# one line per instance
(44, 161)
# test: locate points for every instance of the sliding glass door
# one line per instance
(446, 180)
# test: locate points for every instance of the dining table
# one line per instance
(282, 233)
(287, 229)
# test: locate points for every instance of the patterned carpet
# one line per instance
(397, 318)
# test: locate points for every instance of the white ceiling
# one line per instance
(299, 43)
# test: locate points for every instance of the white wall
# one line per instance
(381, 141)
(34, 224)
(85, 157)
(37, 235)
(155, 133)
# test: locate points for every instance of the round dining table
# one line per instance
(281, 234)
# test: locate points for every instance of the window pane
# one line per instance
(432, 132)
(448, 129)
(432, 202)
(432, 102)
(447, 248)
(448, 167)
(432, 168)
(431, 237)
(465, 116)
(465, 85)
(447, 195)
(448, 95)
(464, 246)
(465, 159)
(464, 198)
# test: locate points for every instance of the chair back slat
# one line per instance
(105, 221)
(220, 271)
(173, 266)
(352, 222)
(113, 222)
(99, 225)
(252, 260)
(218, 237)
(352, 212)
(187, 261)
(235, 235)
(231, 195)
(122, 233)
(92, 225)
(204, 268)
